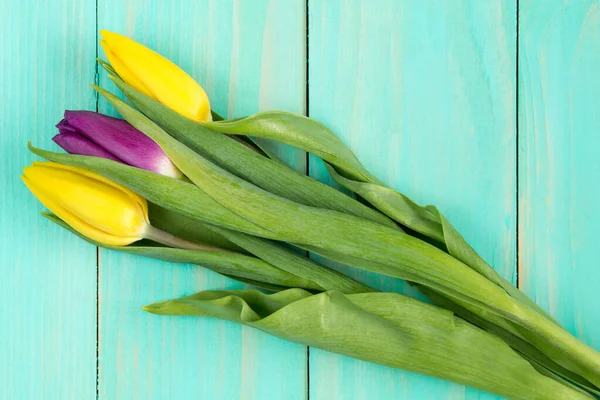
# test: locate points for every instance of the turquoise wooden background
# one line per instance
(487, 108)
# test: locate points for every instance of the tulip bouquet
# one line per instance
(175, 181)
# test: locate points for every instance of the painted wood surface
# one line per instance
(425, 92)
(559, 167)
(47, 276)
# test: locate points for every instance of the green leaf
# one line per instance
(236, 158)
(278, 255)
(107, 67)
(385, 328)
(272, 252)
(431, 223)
(395, 205)
(236, 266)
(298, 131)
(513, 339)
(188, 228)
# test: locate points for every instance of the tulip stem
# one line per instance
(170, 240)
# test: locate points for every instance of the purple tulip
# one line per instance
(92, 134)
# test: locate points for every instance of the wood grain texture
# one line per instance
(424, 93)
(559, 167)
(47, 276)
(248, 56)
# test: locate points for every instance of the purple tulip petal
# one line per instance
(63, 127)
(120, 139)
(74, 143)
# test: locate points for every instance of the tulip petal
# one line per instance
(97, 177)
(123, 71)
(64, 127)
(121, 140)
(104, 207)
(74, 143)
(75, 222)
(169, 84)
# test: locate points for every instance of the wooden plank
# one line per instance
(249, 56)
(558, 160)
(47, 276)
(424, 93)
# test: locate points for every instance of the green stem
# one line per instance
(170, 240)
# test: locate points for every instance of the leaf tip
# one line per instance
(32, 148)
(153, 308)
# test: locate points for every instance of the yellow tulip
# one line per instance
(98, 208)
(94, 206)
(155, 76)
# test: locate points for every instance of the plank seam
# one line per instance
(96, 94)
(517, 207)
(307, 110)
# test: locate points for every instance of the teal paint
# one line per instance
(559, 165)
(47, 276)
(424, 93)
(248, 56)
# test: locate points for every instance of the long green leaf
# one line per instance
(384, 328)
(190, 229)
(512, 339)
(288, 260)
(238, 159)
(236, 266)
(296, 223)
(314, 137)
(272, 252)
(431, 223)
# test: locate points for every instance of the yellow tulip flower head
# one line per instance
(156, 77)
(94, 206)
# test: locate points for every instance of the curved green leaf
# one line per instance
(298, 131)
(513, 339)
(385, 328)
(395, 205)
(272, 252)
(238, 159)
(431, 223)
(189, 229)
(288, 260)
(236, 266)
